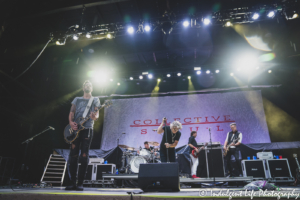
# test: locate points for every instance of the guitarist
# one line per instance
(84, 139)
(233, 150)
(195, 161)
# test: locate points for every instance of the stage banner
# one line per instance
(138, 117)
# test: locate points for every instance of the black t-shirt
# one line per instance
(171, 138)
(193, 142)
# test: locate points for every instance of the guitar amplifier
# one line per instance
(104, 169)
(279, 168)
(255, 168)
(215, 163)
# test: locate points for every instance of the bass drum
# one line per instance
(135, 163)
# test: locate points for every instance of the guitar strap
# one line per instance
(88, 107)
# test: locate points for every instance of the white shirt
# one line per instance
(240, 140)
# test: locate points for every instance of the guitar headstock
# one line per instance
(107, 103)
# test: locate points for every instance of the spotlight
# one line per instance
(111, 79)
(158, 80)
(118, 84)
(197, 68)
(131, 78)
(88, 35)
(198, 72)
(178, 74)
(207, 72)
(168, 75)
(206, 21)
(75, 37)
(130, 30)
(140, 77)
(147, 28)
(217, 71)
(255, 16)
(231, 74)
(189, 77)
(60, 42)
(109, 36)
(186, 23)
(150, 76)
(295, 16)
(228, 24)
(270, 71)
(271, 14)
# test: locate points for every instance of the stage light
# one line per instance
(75, 37)
(108, 36)
(150, 76)
(198, 72)
(118, 84)
(178, 74)
(271, 14)
(186, 23)
(246, 62)
(189, 77)
(168, 75)
(147, 28)
(231, 74)
(88, 35)
(158, 80)
(228, 24)
(60, 43)
(111, 79)
(255, 16)
(207, 72)
(217, 71)
(197, 68)
(295, 16)
(206, 21)
(131, 78)
(270, 71)
(144, 73)
(130, 30)
(140, 77)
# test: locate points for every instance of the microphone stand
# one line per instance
(25, 152)
(117, 157)
(211, 158)
(168, 160)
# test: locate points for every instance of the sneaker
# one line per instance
(194, 176)
(79, 187)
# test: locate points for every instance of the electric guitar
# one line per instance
(297, 176)
(195, 154)
(70, 135)
(227, 148)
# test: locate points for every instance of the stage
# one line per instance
(135, 193)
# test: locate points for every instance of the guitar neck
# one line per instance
(95, 111)
(297, 163)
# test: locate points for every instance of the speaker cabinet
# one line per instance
(105, 169)
(202, 170)
(161, 177)
(279, 168)
(255, 168)
(215, 163)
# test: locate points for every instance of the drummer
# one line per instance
(148, 148)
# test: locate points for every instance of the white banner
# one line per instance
(137, 117)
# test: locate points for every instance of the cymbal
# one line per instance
(132, 149)
(153, 144)
(123, 146)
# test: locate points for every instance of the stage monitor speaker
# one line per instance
(105, 169)
(202, 166)
(161, 177)
(279, 168)
(255, 168)
(215, 162)
(89, 172)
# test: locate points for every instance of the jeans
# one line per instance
(83, 143)
(195, 162)
(236, 153)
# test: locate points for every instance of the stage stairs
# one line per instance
(54, 172)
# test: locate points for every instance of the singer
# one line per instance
(79, 107)
(173, 136)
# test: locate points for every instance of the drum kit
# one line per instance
(133, 157)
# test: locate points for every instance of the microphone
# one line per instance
(209, 129)
(154, 129)
(123, 133)
(51, 128)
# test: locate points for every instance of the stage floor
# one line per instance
(58, 193)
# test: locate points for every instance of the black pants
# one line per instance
(83, 143)
(236, 153)
(163, 155)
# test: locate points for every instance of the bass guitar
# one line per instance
(297, 174)
(70, 135)
(195, 153)
(227, 148)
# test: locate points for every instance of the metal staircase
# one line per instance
(55, 170)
